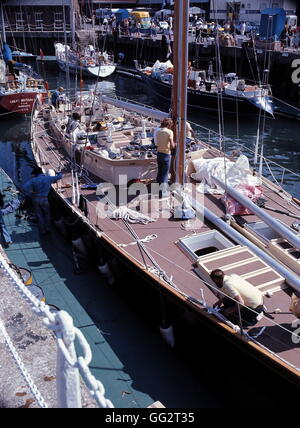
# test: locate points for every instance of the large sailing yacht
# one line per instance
(174, 243)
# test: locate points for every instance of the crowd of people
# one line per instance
(290, 38)
(129, 26)
(202, 30)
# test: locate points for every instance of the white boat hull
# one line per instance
(101, 71)
(93, 72)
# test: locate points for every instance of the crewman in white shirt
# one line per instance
(239, 290)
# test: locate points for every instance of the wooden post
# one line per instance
(2, 23)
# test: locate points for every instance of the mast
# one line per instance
(66, 48)
(72, 22)
(2, 21)
(179, 101)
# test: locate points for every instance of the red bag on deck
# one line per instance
(235, 208)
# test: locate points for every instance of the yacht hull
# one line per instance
(91, 72)
(21, 103)
(210, 101)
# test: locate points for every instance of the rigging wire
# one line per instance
(66, 47)
(220, 73)
(236, 97)
(23, 27)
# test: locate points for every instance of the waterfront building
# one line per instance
(157, 4)
(248, 10)
(30, 24)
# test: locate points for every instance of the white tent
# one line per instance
(164, 12)
(196, 10)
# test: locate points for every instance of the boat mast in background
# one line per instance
(179, 101)
(66, 48)
(3, 34)
(73, 24)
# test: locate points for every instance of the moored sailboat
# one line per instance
(19, 85)
(87, 62)
(204, 90)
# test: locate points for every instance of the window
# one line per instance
(263, 6)
(39, 21)
(19, 21)
(58, 21)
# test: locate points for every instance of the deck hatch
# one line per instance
(276, 244)
(241, 261)
(265, 232)
(205, 243)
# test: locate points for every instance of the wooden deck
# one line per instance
(274, 344)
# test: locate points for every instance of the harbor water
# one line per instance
(281, 145)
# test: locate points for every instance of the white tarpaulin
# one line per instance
(234, 173)
(162, 66)
(196, 10)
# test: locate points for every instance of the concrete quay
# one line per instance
(36, 347)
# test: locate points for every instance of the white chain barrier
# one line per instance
(68, 364)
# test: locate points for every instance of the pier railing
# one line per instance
(44, 28)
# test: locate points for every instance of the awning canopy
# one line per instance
(196, 10)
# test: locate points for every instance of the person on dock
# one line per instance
(198, 28)
(91, 50)
(38, 189)
(239, 290)
(4, 210)
(121, 57)
(243, 28)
